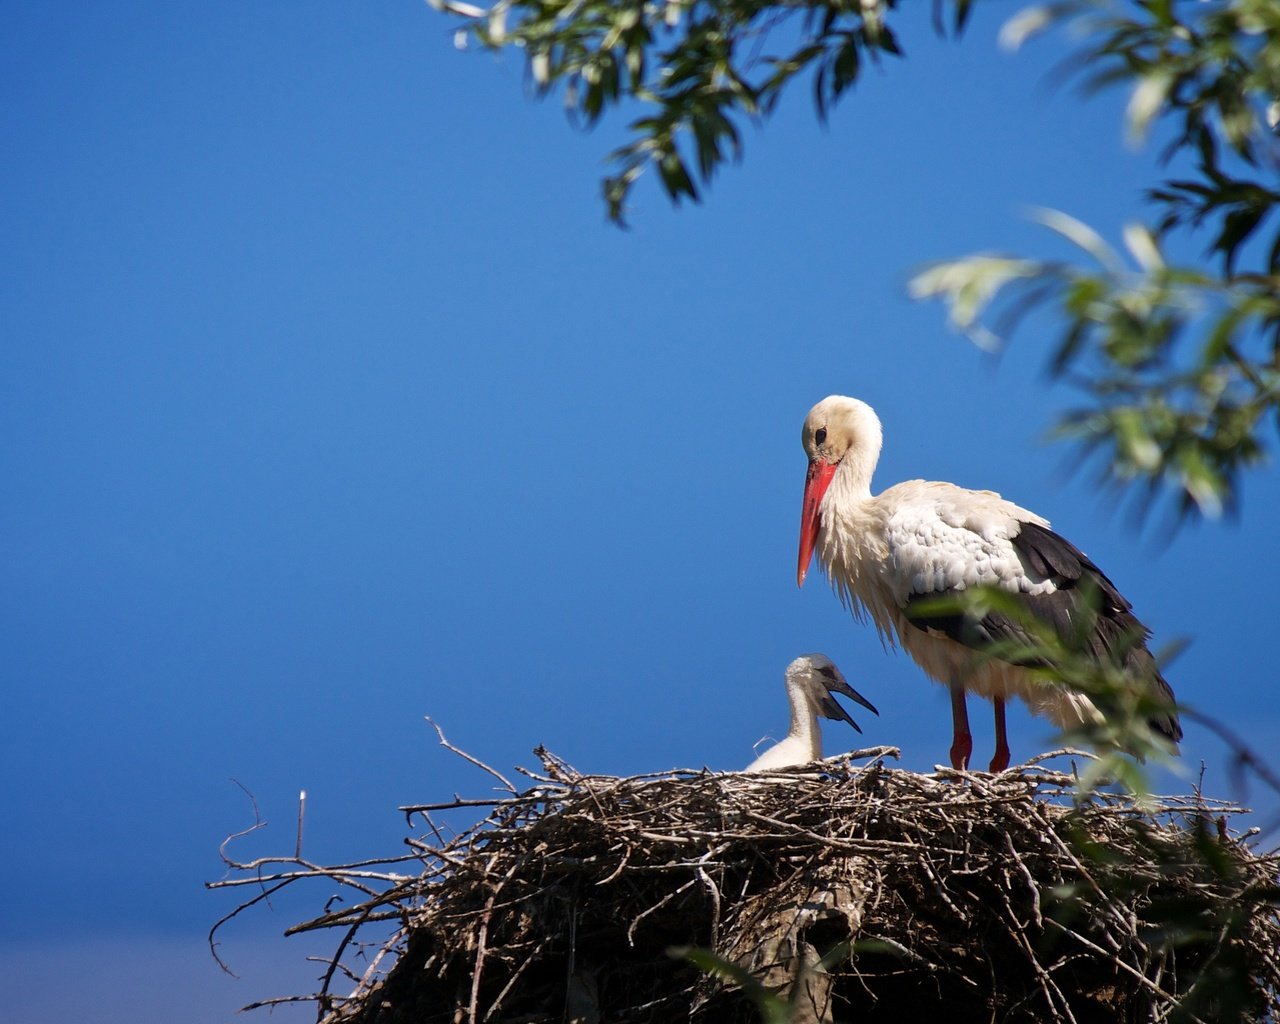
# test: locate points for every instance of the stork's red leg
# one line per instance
(1001, 760)
(961, 739)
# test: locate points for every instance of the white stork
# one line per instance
(925, 539)
(811, 680)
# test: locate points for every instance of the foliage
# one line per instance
(699, 69)
(772, 1007)
(1179, 364)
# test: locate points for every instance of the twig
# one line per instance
(631, 931)
(467, 757)
(481, 943)
(1137, 975)
(257, 824)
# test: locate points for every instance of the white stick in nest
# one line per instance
(811, 681)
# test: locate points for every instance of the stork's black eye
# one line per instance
(827, 671)
(820, 435)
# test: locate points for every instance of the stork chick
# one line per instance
(811, 680)
(884, 553)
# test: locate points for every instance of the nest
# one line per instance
(850, 890)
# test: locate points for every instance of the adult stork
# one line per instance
(811, 681)
(885, 553)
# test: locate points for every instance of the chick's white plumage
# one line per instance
(811, 680)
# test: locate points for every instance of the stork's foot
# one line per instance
(961, 748)
(1001, 760)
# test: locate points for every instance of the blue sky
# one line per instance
(331, 401)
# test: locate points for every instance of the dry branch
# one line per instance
(858, 891)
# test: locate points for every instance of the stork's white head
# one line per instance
(814, 677)
(811, 680)
(808, 664)
(838, 432)
(838, 425)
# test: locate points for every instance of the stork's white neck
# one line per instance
(851, 483)
(804, 731)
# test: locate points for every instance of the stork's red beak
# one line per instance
(816, 482)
